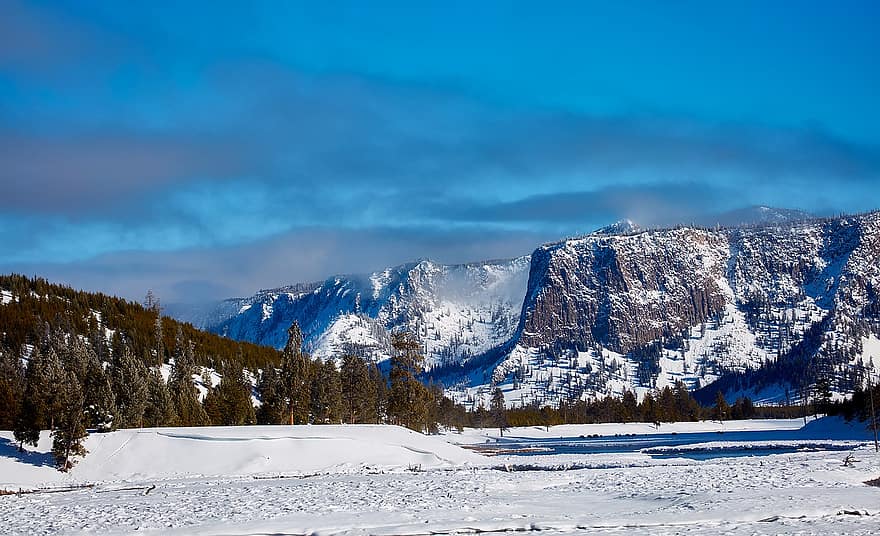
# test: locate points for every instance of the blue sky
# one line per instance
(208, 149)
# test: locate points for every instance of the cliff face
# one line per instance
(618, 309)
(621, 292)
(642, 310)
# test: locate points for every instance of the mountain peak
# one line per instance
(624, 226)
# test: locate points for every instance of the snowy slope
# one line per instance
(457, 310)
(164, 453)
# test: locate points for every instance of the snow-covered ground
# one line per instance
(385, 480)
(151, 454)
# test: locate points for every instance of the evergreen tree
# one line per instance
(273, 409)
(435, 405)
(408, 398)
(129, 380)
(823, 395)
(498, 411)
(158, 410)
(650, 410)
(379, 387)
(70, 432)
(481, 416)
(229, 403)
(358, 392)
(326, 393)
(11, 388)
(666, 406)
(99, 400)
(296, 371)
(41, 401)
(686, 408)
(629, 407)
(184, 395)
(159, 344)
(54, 377)
(451, 415)
(721, 410)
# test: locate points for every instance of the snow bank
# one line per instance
(164, 453)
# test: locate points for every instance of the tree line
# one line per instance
(669, 404)
(70, 383)
(34, 303)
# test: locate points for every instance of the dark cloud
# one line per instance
(83, 173)
(326, 137)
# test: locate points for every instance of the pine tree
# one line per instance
(630, 406)
(296, 371)
(407, 400)
(188, 410)
(71, 431)
(823, 395)
(229, 403)
(159, 341)
(498, 411)
(159, 410)
(273, 409)
(435, 406)
(11, 388)
(99, 400)
(326, 403)
(721, 410)
(54, 377)
(358, 392)
(687, 409)
(129, 379)
(33, 413)
(650, 410)
(379, 386)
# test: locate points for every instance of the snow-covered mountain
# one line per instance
(607, 313)
(762, 306)
(625, 226)
(458, 311)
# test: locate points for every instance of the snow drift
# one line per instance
(166, 453)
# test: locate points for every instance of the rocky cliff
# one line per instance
(618, 309)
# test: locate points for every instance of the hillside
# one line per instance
(29, 307)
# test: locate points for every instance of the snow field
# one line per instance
(167, 453)
(365, 480)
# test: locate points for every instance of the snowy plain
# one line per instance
(387, 480)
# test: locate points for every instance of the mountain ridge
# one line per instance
(602, 313)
